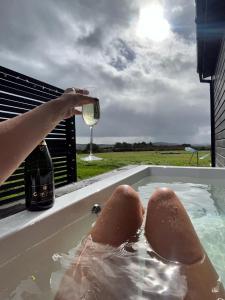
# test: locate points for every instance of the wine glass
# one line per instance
(91, 115)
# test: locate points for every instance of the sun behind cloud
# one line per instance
(152, 24)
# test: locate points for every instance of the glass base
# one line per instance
(91, 157)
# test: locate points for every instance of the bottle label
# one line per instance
(42, 193)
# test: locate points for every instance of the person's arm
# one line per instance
(20, 135)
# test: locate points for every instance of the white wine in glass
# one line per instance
(91, 115)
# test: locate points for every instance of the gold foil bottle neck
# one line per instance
(43, 143)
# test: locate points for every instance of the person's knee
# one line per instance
(124, 202)
(124, 190)
(159, 208)
(120, 218)
(126, 196)
(163, 201)
(162, 195)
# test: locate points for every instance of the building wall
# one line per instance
(219, 108)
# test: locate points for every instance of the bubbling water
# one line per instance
(127, 272)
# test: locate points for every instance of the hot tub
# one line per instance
(32, 242)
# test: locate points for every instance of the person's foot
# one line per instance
(169, 230)
(120, 219)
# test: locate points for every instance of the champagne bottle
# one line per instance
(39, 181)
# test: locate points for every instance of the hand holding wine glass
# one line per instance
(72, 98)
(90, 111)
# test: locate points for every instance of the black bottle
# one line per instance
(39, 180)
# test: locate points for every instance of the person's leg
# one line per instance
(118, 222)
(171, 235)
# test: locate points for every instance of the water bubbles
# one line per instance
(56, 257)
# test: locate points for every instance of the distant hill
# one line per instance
(165, 144)
(81, 147)
(201, 145)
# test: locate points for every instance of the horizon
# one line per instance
(131, 140)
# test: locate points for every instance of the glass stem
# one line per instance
(91, 139)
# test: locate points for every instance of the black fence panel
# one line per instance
(18, 94)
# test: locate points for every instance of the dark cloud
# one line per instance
(25, 24)
(124, 55)
(93, 39)
(181, 16)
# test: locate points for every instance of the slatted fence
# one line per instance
(19, 94)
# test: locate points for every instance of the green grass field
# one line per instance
(113, 160)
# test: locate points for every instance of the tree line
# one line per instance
(141, 146)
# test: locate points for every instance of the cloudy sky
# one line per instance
(139, 55)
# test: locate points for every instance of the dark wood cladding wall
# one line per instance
(219, 98)
(19, 94)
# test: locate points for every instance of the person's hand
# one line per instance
(72, 98)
